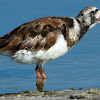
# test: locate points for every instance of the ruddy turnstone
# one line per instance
(47, 38)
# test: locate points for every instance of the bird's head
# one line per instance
(89, 16)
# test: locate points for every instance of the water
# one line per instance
(79, 68)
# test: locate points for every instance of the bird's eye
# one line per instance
(92, 12)
(96, 10)
(82, 14)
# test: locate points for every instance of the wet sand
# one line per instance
(71, 94)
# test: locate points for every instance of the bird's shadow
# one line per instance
(40, 84)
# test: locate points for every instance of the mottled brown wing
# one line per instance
(38, 34)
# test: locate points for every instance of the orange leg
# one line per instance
(40, 72)
(43, 75)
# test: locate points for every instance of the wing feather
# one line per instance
(38, 34)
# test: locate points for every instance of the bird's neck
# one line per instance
(77, 32)
(84, 28)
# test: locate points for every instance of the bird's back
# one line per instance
(46, 35)
(41, 33)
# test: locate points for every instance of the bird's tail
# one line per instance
(4, 42)
(4, 46)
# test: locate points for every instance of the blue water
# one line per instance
(78, 68)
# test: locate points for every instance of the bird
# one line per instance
(48, 38)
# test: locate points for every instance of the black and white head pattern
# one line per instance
(89, 16)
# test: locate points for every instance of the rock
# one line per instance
(72, 94)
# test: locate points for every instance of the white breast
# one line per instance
(56, 51)
(30, 56)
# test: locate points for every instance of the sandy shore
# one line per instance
(71, 94)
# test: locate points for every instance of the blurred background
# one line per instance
(79, 68)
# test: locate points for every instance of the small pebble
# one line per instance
(18, 95)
